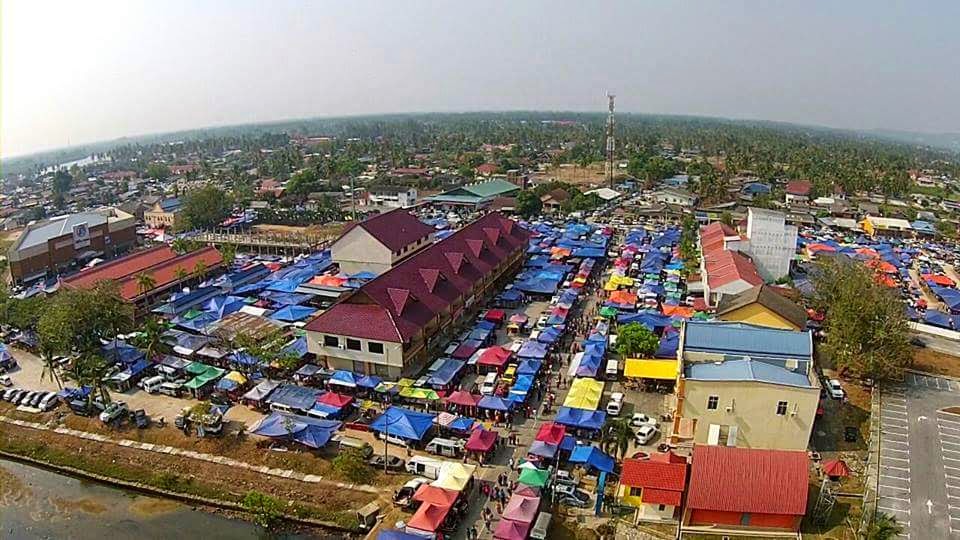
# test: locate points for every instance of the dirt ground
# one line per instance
(932, 361)
(573, 174)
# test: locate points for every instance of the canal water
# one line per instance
(37, 503)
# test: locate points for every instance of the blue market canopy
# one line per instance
(529, 367)
(592, 456)
(461, 423)
(115, 350)
(669, 344)
(344, 378)
(533, 349)
(549, 335)
(369, 381)
(394, 534)
(446, 373)
(543, 449)
(311, 432)
(580, 418)
(403, 423)
(295, 397)
(494, 403)
(650, 319)
(297, 347)
(292, 313)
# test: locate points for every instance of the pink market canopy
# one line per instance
(481, 440)
(522, 509)
(511, 530)
(462, 398)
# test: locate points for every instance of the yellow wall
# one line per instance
(758, 314)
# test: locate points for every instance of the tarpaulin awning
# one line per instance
(522, 509)
(311, 432)
(481, 440)
(494, 356)
(533, 349)
(292, 313)
(543, 449)
(413, 392)
(335, 400)
(435, 495)
(466, 349)
(495, 315)
(580, 418)
(511, 530)
(494, 403)
(584, 394)
(463, 398)
(835, 467)
(369, 381)
(454, 476)
(533, 477)
(343, 378)
(592, 456)
(528, 366)
(549, 335)
(651, 369)
(428, 517)
(551, 432)
(403, 423)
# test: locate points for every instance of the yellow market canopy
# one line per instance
(454, 476)
(585, 393)
(640, 368)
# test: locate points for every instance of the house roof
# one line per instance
(558, 195)
(120, 268)
(741, 339)
(40, 233)
(401, 301)
(165, 272)
(478, 192)
(799, 187)
(653, 474)
(745, 370)
(395, 229)
(486, 168)
(388, 190)
(767, 297)
(726, 266)
(748, 480)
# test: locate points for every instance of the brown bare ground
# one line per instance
(573, 174)
(931, 361)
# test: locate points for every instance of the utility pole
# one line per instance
(611, 144)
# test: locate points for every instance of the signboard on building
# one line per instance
(81, 236)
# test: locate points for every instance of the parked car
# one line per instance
(403, 497)
(393, 462)
(35, 400)
(645, 434)
(49, 402)
(5, 380)
(8, 393)
(640, 419)
(140, 419)
(113, 411)
(835, 389)
(571, 496)
(615, 405)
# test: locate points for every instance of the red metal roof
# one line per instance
(654, 474)
(799, 187)
(725, 266)
(662, 496)
(384, 318)
(165, 272)
(395, 229)
(729, 479)
(120, 268)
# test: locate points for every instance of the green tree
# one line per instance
(158, 170)
(267, 511)
(726, 218)
(229, 253)
(947, 228)
(200, 269)
(270, 349)
(883, 527)
(90, 369)
(79, 321)
(528, 204)
(616, 436)
(205, 207)
(145, 283)
(866, 325)
(180, 246)
(635, 339)
(181, 274)
(349, 465)
(150, 338)
(50, 368)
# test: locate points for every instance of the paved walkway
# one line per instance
(170, 450)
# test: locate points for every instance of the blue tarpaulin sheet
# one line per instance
(668, 346)
(311, 432)
(581, 419)
(494, 403)
(592, 456)
(292, 313)
(533, 349)
(529, 367)
(403, 423)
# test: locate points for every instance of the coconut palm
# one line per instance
(90, 370)
(616, 436)
(200, 269)
(181, 273)
(884, 527)
(150, 338)
(145, 283)
(180, 245)
(49, 366)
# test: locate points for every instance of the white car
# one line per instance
(640, 419)
(835, 390)
(615, 405)
(5, 380)
(646, 434)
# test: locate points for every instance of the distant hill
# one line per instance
(946, 141)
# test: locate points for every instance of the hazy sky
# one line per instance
(83, 71)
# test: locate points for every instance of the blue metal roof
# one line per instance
(740, 339)
(744, 370)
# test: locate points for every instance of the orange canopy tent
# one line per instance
(939, 279)
(678, 311)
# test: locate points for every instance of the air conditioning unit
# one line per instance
(731, 405)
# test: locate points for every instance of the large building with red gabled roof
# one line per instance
(380, 242)
(385, 326)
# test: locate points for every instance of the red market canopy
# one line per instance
(335, 400)
(813, 248)
(495, 315)
(511, 530)
(465, 399)
(428, 517)
(522, 509)
(494, 356)
(551, 433)
(939, 279)
(519, 318)
(882, 266)
(481, 440)
(435, 495)
(835, 468)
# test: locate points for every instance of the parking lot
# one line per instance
(919, 480)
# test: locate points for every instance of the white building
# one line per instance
(770, 242)
(393, 196)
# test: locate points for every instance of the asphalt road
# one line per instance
(919, 480)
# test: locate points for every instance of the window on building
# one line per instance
(661, 507)
(713, 402)
(375, 348)
(354, 344)
(381, 370)
(358, 366)
(331, 341)
(781, 408)
(636, 491)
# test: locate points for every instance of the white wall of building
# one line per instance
(771, 243)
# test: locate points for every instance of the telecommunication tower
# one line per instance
(611, 144)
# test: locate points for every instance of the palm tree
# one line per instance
(145, 283)
(884, 527)
(49, 366)
(92, 371)
(229, 253)
(616, 436)
(179, 245)
(200, 269)
(150, 338)
(181, 274)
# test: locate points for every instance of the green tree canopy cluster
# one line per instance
(634, 340)
(206, 207)
(866, 323)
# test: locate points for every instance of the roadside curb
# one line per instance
(929, 374)
(210, 458)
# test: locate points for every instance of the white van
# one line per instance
(152, 385)
(349, 442)
(489, 384)
(613, 370)
(170, 389)
(541, 527)
(445, 447)
(424, 466)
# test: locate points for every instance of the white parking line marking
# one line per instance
(894, 498)
(896, 478)
(945, 421)
(883, 457)
(898, 468)
(900, 413)
(893, 509)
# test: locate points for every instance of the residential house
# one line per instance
(380, 242)
(762, 306)
(392, 196)
(745, 385)
(724, 269)
(675, 197)
(389, 326)
(486, 169)
(798, 192)
(746, 492)
(554, 200)
(770, 242)
(654, 486)
(883, 226)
